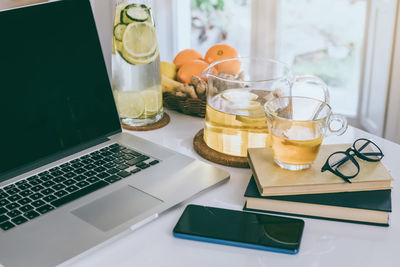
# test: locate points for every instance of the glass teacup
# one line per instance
(297, 126)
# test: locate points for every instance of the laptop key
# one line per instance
(2, 210)
(123, 166)
(35, 182)
(24, 201)
(54, 169)
(4, 202)
(80, 171)
(57, 173)
(49, 198)
(112, 179)
(31, 214)
(13, 213)
(6, 226)
(35, 196)
(154, 162)
(19, 220)
(26, 208)
(48, 183)
(109, 165)
(82, 184)
(102, 175)
(43, 173)
(69, 182)
(61, 193)
(93, 179)
(38, 203)
(136, 160)
(59, 179)
(24, 186)
(79, 178)
(77, 165)
(13, 190)
(71, 188)
(136, 170)
(99, 162)
(124, 174)
(26, 193)
(89, 166)
(90, 173)
(143, 165)
(112, 171)
(3, 195)
(99, 169)
(47, 191)
(3, 218)
(14, 198)
(69, 175)
(77, 194)
(12, 206)
(37, 188)
(46, 177)
(45, 208)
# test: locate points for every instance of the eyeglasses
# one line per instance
(343, 163)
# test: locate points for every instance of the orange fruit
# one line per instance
(220, 52)
(185, 56)
(187, 70)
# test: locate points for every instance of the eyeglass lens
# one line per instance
(368, 149)
(341, 163)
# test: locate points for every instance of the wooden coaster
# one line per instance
(217, 157)
(159, 124)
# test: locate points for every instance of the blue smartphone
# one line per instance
(240, 228)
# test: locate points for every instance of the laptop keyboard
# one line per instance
(31, 197)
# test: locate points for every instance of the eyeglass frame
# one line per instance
(350, 156)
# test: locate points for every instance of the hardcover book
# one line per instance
(273, 180)
(370, 207)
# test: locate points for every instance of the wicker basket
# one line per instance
(189, 106)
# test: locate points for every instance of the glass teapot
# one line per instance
(238, 88)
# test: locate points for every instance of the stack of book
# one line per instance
(316, 194)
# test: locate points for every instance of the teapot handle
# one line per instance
(311, 79)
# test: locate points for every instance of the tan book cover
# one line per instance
(274, 181)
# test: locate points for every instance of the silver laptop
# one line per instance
(69, 178)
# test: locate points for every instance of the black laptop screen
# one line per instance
(54, 89)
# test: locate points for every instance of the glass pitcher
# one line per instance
(136, 76)
(238, 88)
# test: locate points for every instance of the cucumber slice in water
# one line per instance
(133, 12)
(137, 13)
(119, 30)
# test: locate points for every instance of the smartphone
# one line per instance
(240, 228)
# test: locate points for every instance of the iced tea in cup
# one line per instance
(297, 126)
(238, 88)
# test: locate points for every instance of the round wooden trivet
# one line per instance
(217, 157)
(159, 124)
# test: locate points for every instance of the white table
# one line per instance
(325, 243)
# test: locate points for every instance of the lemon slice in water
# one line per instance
(152, 100)
(130, 104)
(139, 40)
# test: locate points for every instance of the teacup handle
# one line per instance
(337, 118)
(314, 80)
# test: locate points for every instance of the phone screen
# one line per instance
(239, 228)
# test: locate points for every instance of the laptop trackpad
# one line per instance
(116, 208)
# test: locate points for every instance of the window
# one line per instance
(347, 43)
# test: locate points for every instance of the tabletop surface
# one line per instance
(324, 243)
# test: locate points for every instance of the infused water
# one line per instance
(136, 77)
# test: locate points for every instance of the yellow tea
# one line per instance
(235, 120)
(296, 146)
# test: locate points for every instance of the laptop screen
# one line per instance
(54, 90)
